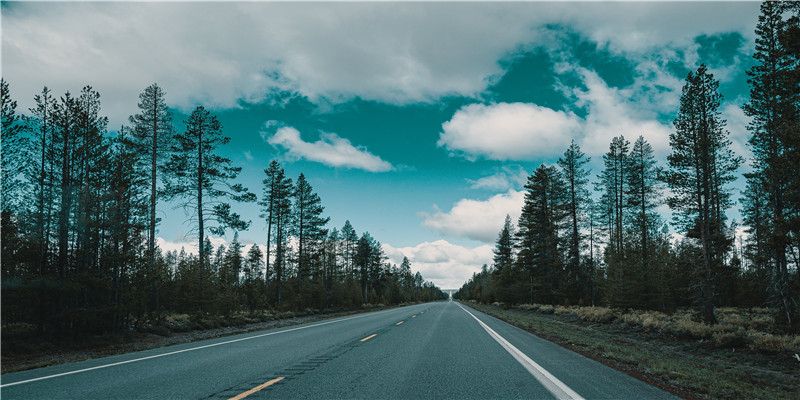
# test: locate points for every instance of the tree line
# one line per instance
(79, 220)
(614, 248)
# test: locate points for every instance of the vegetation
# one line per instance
(551, 257)
(78, 229)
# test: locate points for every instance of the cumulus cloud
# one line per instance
(219, 54)
(613, 112)
(476, 219)
(445, 264)
(330, 150)
(515, 131)
(508, 178)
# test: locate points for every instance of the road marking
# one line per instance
(257, 388)
(186, 350)
(414, 316)
(550, 382)
(400, 322)
(369, 337)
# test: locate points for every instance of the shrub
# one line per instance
(601, 315)
(727, 339)
(768, 343)
(687, 329)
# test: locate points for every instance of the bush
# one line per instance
(686, 329)
(601, 315)
(726, 339)
(768, 343)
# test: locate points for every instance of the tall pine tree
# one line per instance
(201, 178)
(700, 165)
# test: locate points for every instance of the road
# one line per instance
(433, 350)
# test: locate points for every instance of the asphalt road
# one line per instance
(433, 350)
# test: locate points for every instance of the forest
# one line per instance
(79, 225)
(615, 249)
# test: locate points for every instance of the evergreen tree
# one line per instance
(538, 238)
(773, 107)
(308, 227)
(199, 176)
(153, 135)
(276, 208)
(575, 177)
(700, 165)
(12, 151)
(349, 239)
(41, 171)
(642, 197)
(504, 274)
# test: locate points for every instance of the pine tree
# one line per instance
(575, 177)
(12, 151)
(202, 178)
(700, 165)
(308, 226)
(41, 171)
(349, 239)
(538, 237)
(153, 135)
(642, 197)
(504, 273)
(773, 107)
(276, 208)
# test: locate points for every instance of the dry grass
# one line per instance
(737, 328)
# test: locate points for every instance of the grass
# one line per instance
(739, 358)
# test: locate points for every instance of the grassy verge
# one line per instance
(730, 361)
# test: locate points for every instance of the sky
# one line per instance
(418, 122)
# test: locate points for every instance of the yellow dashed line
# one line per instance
(400, 322)
(257, 388)
(413, 316)
(369, 337)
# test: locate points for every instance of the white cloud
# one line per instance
(614, 112)
(330, 150)
(737, 126)
(530, 132)
(508, 178)
(219, 54)
(475, 219)
(516, 131)
(445, 264)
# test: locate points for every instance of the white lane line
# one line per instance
(550, 382)
(186, 350)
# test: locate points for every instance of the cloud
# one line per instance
(330, 149)
(445, 264)
(476, 219)
(220, 54)
(508, 178)
(613, 112)
(515, 131)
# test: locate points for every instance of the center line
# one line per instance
(400, 322)
(369, 337)
(257, 388)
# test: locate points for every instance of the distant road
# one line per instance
(426, 351)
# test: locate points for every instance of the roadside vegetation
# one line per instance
(744, 356)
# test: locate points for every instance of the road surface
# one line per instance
(425, 351)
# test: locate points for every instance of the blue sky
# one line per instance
(417, 121)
